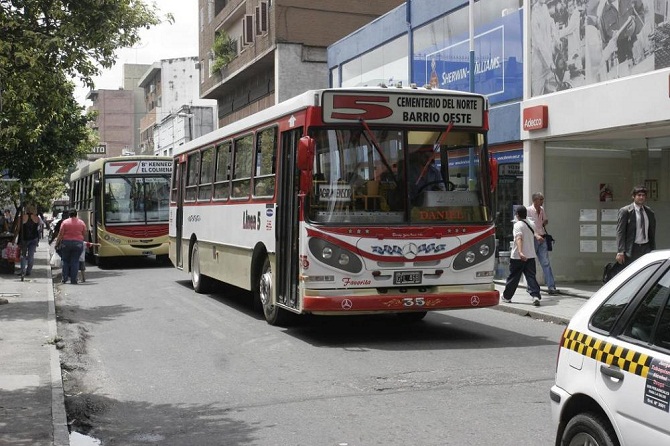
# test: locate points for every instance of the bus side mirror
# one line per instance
(96, 188)
(305, 157)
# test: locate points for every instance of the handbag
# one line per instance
(549, 240)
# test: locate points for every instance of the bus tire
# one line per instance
(201, 283)
(263, 293)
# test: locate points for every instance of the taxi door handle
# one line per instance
(611, 372)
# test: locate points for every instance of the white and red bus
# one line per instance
(124, 202)
(314, 205)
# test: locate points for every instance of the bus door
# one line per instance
(287, 234)
(179, 176)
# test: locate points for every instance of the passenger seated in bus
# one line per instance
(423, 173)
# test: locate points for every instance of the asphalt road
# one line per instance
(148, 361)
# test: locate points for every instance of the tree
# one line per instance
(44, 44)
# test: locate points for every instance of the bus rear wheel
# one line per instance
(263, 293)
(201, 283)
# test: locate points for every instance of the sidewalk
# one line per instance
(557, 308)
(32, 406)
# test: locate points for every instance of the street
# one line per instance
(146, 360)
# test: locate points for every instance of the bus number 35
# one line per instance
(413, 302)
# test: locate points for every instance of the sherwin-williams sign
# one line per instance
(498, 69)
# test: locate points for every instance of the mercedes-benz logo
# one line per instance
(409, 251)
(474, 301)
(347, 304)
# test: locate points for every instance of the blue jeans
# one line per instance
(543, 259)
(28, 255)
(70, 252)
(516, 268)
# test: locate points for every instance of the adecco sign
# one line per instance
(535, 118)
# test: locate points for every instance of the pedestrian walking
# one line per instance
(28, 239)
(82, 259)
(538, 215)
(522, 258)
(71, 241)
(635, 228)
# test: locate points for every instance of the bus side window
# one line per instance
(242, 165)
(192, 176)
(205, 187)
(266, 162)
(222, 171)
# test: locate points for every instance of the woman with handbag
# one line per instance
(71, 240)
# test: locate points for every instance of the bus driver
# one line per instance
(423, 173)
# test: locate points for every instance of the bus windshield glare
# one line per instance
(135, 199)
(395, 177)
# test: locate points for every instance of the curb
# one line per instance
(61, 434)
(560, 320)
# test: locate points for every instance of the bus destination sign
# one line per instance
(141, 167)
(403, 108)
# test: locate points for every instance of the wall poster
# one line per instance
(581, 42)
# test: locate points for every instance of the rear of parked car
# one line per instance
(613, 369)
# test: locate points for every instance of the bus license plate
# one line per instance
(406, 277)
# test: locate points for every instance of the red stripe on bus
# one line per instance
(400, 302)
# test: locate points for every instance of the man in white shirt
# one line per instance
(537, 214)
(522, 258)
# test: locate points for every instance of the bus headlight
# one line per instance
(334, 256)
(475, 255)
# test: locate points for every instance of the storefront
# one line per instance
(598, 76)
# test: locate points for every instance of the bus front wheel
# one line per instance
(201, 283)
(263, 293)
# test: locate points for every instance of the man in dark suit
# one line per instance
(635, 228)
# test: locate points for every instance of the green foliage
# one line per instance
(44, 45)
(225, 50)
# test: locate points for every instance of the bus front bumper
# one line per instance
(398, 302)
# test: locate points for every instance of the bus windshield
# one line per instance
(133, 199)
(398, 176)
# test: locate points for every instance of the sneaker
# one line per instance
(536, 301)
(553, 291)
(506, 300)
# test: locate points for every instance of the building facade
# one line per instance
(584, 120)
(115, 122)
(254, 54)
(173, 112)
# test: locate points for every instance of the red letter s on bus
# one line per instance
(367, 111)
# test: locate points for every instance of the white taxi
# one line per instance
(613, 368)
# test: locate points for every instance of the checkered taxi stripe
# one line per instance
(625, 359)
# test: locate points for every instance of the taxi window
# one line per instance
(608, 313)
(663, 332)
(641, 325)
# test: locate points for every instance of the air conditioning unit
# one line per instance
(248, 30)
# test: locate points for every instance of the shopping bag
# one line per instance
(13, 252)
(55, 261)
